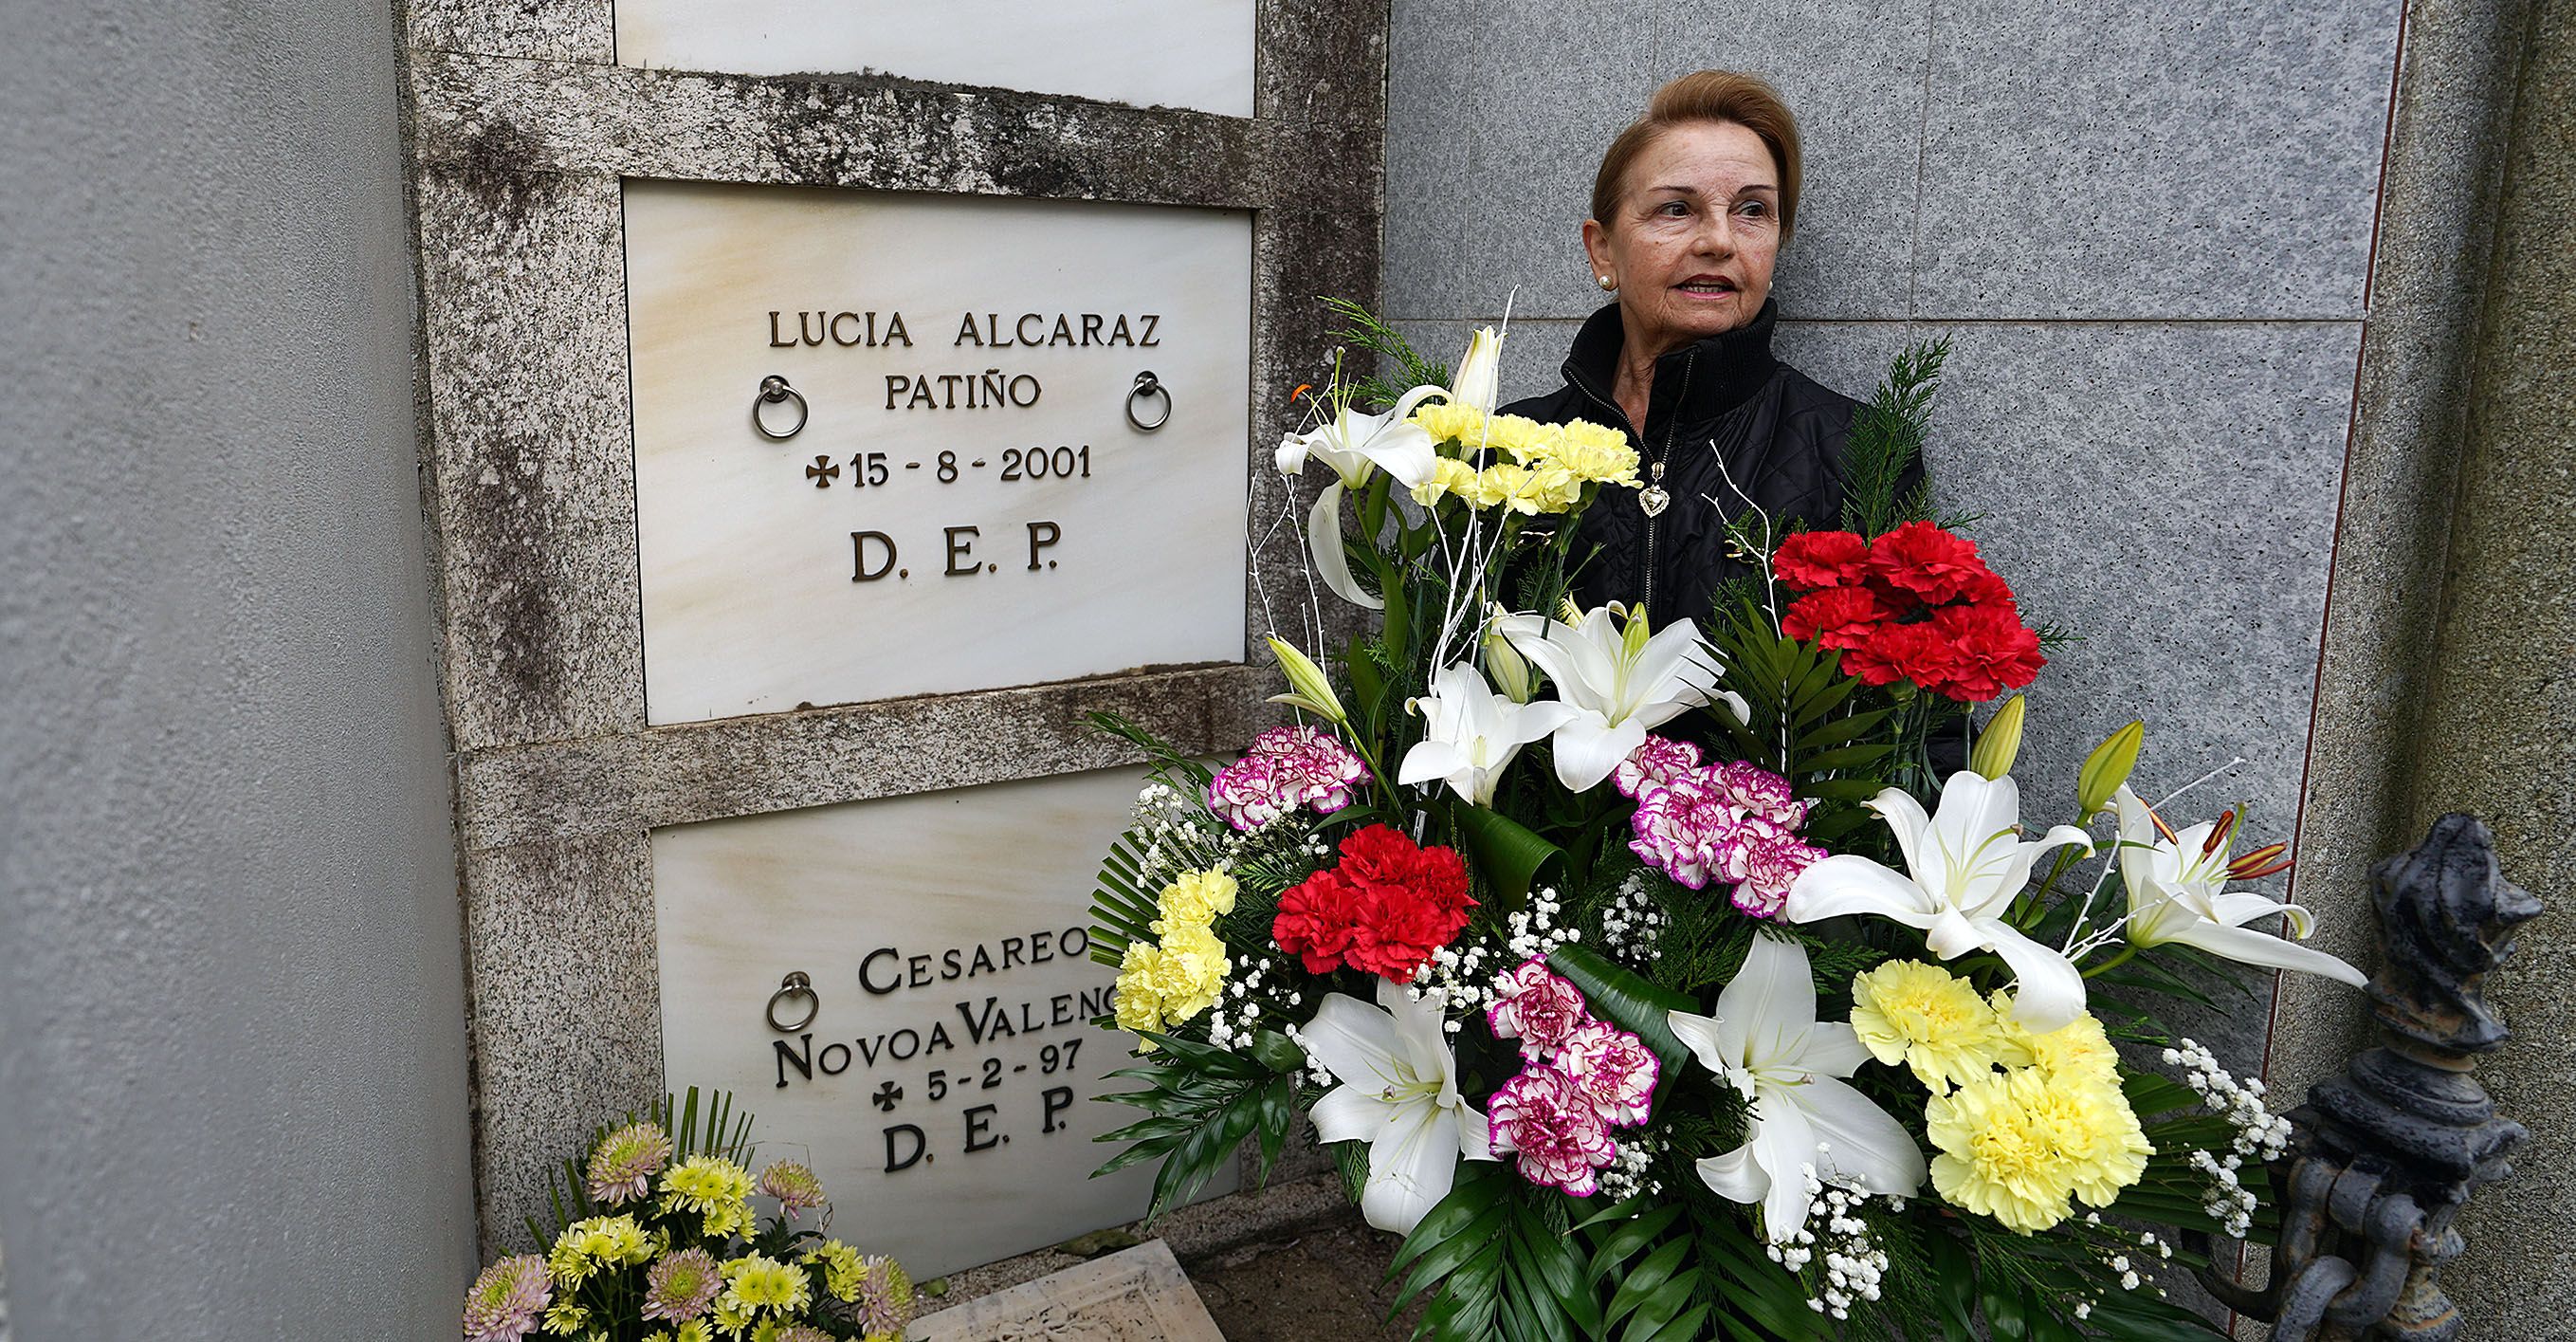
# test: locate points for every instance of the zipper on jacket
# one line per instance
(1654, 465)
(1646, 595)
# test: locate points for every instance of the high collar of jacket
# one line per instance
(1698, 381)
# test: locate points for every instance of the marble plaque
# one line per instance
(968, 504)
(1133, 1295)
(943, 1089)
(1195, 54)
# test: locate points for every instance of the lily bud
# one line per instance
(2108, 767)
(1506, 668)
(1569, 613)
(1478, 381)
(1310, 689)
(1999, 745)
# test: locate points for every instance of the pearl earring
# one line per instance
(1606, 282)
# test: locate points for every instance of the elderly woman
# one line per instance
(1690, 209)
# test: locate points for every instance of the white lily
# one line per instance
(1478, 381)
(1967, 864)
(1472, 733)
(1766, 1042)
(1399, 1093)
(1355, 445)
(1621, 679)
(2177, 894)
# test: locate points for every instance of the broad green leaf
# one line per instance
(1506, 851)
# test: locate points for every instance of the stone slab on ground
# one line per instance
(1134, 1295)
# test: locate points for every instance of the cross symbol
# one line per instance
(887, 1095)
(822, 472)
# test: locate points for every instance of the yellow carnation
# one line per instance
(1450, 421)
(1929, 1019)
(1190, 973)
(1137, 1001)
(2079, 1049)
(1595, 454)
(1521, 438)
(1195, 900)
(2018, 1145)
(1518, 488)
(1448, 476)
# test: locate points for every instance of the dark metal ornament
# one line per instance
(2385, 1155)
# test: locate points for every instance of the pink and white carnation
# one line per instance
(1283, 769)
(1770, 865)
(1538, 1007)
(1659, 761)
(1684, 828)
(1757, 791)
(1555, 1128)
(1613, 1068)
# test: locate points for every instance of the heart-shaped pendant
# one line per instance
(1653, 500)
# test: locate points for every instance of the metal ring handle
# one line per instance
(774, 389)
(1146, 387)
(794, 985)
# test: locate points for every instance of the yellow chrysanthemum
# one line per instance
(2081, 1048)
(695, 1330)
(1595, 454)
(762, 1282)
(1929, 1019)
(1518, 437)
(1450, 421)
(731, 1315)
(716, 1188)
(1449, 476)
(843, 1274)
(2018, 1145)
(565, 1318)
(602, 1242)
(1194, 901)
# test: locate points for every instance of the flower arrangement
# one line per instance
(657, 1239)
(1646, 970)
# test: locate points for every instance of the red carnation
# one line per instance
(1933, 564)
(1915, 652)
(1813, 559)
(1991, 651)
(1837, 617)
(1385, 909)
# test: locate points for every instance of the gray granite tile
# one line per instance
(2167, 492)
(1488, 190)
(1432, 180)
(2142, 161)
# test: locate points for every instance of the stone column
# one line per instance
(2498, 728)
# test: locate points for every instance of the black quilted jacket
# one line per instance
(1725, 422)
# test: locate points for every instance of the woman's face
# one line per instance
(1694, 233)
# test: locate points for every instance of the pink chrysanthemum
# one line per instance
(1757, 791)
(1537, 1007)
(1657, 762)
(1544, 1117)
(885, 1302)
(800, 1332)
(1770, 866)
(1613, 1068)
(681, 1286)
(506, 1299)
(622, 1166)
(795, 1187)
(1285, 768)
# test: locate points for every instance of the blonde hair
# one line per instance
(1714, 96)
